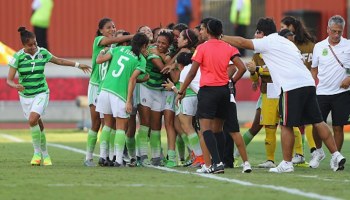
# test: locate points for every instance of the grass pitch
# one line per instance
(69, 179)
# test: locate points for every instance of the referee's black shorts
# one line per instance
(213, 102)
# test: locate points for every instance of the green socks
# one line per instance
(35, 130)
(104, 141)
(91, 143)
(141, 140)
(119, 144)
(155, 143)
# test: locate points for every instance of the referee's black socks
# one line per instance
(220, 142)
(211, 143)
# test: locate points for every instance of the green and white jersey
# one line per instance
(31, 71)
(156, 78)
(95, 73)
(124, 62)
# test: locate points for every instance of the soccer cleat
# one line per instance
(337, 163)
(47, 161)
(217, 168)
(246, 167)
(36, 159)
(267, 164)
(116, 164)
(156, 161)
(236, 163)
(204, 169)
(170, 164)
(89, 163)
(103, 162)
(316, 157)
(197, 162)
(283, 167)
(298, 159)
(132, 163)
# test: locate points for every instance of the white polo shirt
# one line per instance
(284, 61)
(194, 85)
(330, 73)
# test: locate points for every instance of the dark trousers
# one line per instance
(41, 37)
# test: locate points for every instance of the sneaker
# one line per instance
(89, 163)
(170, 164)
(246, 167)
(216, 168)
(47, 161)
(36, 159)
(197, 162)
(204, 169)
(337, 163)
(298, 159)
(267, 164)
(283, 167)
(316, 157)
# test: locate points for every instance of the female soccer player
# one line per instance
(151, 101)
(32, 88)
(115, 99)
(105, 37)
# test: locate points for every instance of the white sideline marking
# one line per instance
(211, 176)
(12, 138)
(324, 179)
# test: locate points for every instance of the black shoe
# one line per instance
(116, 164)
(102, 162)
(132, 162)
(217, 168)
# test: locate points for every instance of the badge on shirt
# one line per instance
(325, 52)
(40, 56)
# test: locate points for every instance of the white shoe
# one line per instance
(298, 159)
(316, 157)
(204, 169)
(246, 167)
(267, 164)
(337, 162)
(283, 167)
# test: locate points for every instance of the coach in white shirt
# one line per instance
(330, 63)
(298, 103)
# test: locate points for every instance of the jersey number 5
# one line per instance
(120, 60)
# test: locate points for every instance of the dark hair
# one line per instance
(137, 42)
(168, 34)
(101, 24)
(285, 33)
(155, 30)
(184, 58)
(192, 38)
(266, 25)
(180, 27)
(301, 34)
(214, 27)
(205, 21)
(170, 26)
(25, 35)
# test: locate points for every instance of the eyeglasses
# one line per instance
(338, 32)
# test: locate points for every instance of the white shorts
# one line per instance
(188, 106)
(35, 104)
(92, 94)
(168, 100)
(151, 98)
(109, 103)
